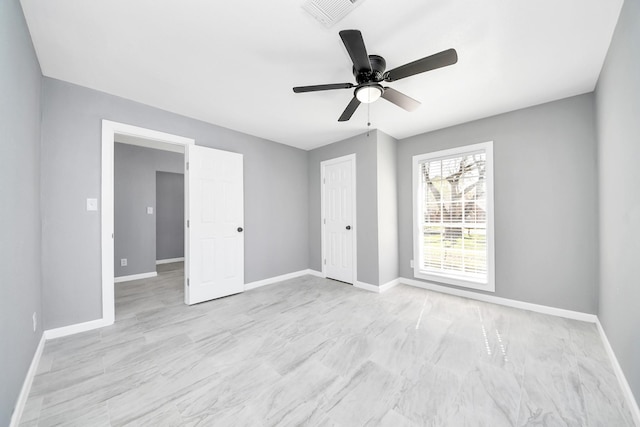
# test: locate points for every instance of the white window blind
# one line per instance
(454, 216)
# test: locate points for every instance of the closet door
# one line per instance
(338, 200)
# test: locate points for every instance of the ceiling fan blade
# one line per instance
(351, 108)
(441, 59)
(354, 43)
(315, 88)
(400, 99)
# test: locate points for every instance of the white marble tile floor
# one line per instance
(316, 352)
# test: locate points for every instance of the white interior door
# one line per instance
(338, 177)
(215, 238)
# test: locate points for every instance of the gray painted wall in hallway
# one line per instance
(134, 190)
(545, 195)
(20, 272)
(618, 111)
(169, 215)
(366, 200)
(387, 207)
(275, 187)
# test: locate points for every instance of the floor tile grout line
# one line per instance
(578, 370)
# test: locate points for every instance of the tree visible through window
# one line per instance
(453, 214)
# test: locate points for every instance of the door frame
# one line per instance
(109, 130)
(354, 227)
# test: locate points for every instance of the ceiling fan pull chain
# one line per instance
(368, 119)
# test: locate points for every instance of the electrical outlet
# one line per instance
(123, 262)
(35, 321)
(92, 204)
(411, 263)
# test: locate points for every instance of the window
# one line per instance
(453, 216)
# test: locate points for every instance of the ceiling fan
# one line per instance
(369, 71)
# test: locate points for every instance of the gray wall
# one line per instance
(387, 207)
(545, 195)
(365, 149)
(275, 195)
(134, 185)
(169, 215)
(20, 272)
(618, 112)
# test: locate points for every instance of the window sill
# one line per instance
(488, 286)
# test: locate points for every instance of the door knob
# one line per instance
(348, 227)
(239, 229)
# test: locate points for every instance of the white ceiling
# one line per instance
(234, 63)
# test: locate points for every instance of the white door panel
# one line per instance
(215, 266)
(339, 218)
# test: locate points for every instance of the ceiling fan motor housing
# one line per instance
(376, 74)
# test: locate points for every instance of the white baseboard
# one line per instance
(367, 287)
(377, 289)
(169, 260)
(75, 328)
(390, 284)
(624, 384)
(276, 279)
(576, 315)
(26, 385)
(134, 277)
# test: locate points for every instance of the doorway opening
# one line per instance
(135, 138)
(149, 225)
(213, 209)
(170, 220)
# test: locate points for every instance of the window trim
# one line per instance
(418, 209)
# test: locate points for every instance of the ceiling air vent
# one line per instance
(329, 12)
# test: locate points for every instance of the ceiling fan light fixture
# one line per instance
(369, 93)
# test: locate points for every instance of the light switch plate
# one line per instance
(150, 210)
(92, 204)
